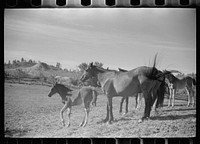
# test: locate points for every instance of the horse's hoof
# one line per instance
(125, 113)
(140, 120)
(105, 120)
(84, 125)
(109, 122)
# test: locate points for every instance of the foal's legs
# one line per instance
(61, 113)
(87, 110)
(193, 95)
(68, 116)
(173, 96)
(189, 98)
(170, 97)
(86, 116)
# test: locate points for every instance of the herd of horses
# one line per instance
(147, 82)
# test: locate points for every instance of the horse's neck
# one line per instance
(177, 80)
(63, 93)
(103, 74)
(173, 79)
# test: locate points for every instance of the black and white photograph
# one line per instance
(100, 73)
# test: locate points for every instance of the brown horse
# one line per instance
(85, 96)
(184, 83)
(142, 79)
(138, 98)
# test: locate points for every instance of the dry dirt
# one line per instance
(29, 112)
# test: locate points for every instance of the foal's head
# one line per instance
(60, 89)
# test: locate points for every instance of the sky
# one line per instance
(117, 37)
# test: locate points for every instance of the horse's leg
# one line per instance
(188, 93)
(193, 94)
(61, 113)
(139, 100)
(68, 116)
(147, 99)
(110, 110)
(107, 115)
(173, 96)
(121, 104)
(86, 105)
(81, 124)
(87, 110)
(127, 98)
(170, 96)
(136, 101)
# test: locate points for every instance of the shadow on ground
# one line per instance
(16, 132)
(173, 117)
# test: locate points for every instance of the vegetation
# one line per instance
(18, 70)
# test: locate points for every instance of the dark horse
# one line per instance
(85, 96)
(138, 97)
(142, 79)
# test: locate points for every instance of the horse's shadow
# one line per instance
(116, 120)
(180, 109)
(173, 117)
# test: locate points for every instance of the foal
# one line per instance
(85, 96)
(183, 83)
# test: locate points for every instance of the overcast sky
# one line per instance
(117, 37)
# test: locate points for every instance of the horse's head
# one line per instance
(53, 90)
(60, 89)
(88, 73)
(169, 75)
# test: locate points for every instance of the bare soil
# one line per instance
(29, 112)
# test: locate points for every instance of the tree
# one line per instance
(22, 60)
(98, 64)
(30, 61)
(58, 65)
(83, 66)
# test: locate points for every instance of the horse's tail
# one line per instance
(94, 96)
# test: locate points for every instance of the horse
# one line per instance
(183, 83)
(138, 98)
(141, 79)
(85, 96)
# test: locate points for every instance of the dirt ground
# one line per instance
(29, 112)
